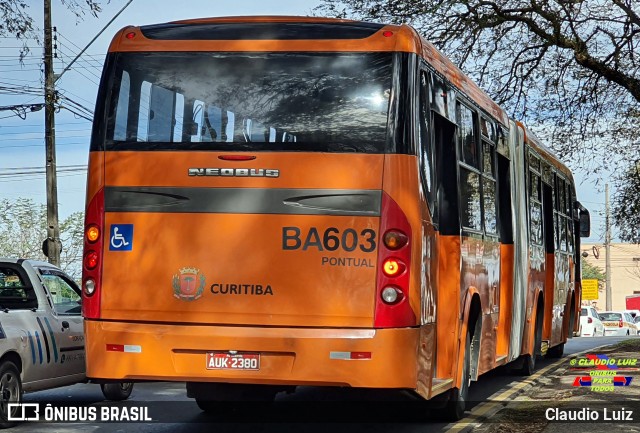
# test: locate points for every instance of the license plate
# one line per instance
(611, 324)
(233, 361)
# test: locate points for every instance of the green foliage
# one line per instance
(626, 205)
(591, 272)
(23, 227)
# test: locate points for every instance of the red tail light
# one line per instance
(589, 320)
(394, 259)
(620, 323)
(92, 263)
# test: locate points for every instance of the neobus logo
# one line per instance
(237, 172)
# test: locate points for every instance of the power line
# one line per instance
(40, 145)
(35, 132)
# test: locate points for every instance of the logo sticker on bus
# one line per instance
(121, 237)
(188, 284)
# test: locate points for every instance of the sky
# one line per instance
(21, 140)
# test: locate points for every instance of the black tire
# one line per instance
(10, 392)
(529, 361)
(116, 391)
(627, 332)
(457, 404)
(556, 352)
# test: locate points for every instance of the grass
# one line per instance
(630, 345)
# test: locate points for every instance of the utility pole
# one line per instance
(607, 246)
(52, 243)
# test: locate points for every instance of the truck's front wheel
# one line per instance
(10, 392)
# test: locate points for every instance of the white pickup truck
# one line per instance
(41, 333)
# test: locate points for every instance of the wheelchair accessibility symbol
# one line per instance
(121, 238)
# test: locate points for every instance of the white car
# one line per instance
(41, 333)
(590, 323)
(618, 323)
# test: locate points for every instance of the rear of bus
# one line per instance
(245, 219)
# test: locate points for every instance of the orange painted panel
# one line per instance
(235, 257)
(297, 170)
(448, 305)
(506, 299)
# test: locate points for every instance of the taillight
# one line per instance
(92, 258)
(92, 233)
(620, 323)
(394, 239)
(394, 259)
(393, 267)
(589, 320)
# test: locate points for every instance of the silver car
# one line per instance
(41, 333)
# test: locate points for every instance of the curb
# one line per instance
(500, 399)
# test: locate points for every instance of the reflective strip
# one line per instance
(349, 355)
(124, 348)
(244, 200)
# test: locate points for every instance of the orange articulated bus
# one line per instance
(284, 201)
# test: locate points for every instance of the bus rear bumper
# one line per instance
(288, 356)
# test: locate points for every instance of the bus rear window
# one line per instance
(249, 101)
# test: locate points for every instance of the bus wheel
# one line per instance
(116, 391)
(529, 361)
(10, 392)
(556, 351)
(457, 404)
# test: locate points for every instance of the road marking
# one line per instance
(498, 400)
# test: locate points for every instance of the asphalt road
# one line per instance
(183, 415)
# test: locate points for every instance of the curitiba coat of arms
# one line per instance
(188, 284)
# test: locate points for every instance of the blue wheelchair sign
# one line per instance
(121, 237)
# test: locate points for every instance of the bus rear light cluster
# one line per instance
(92, 258)
(393, 309)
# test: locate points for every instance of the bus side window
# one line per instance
(468, 138)
(425, 145)
(469, 169)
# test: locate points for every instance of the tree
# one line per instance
(591, 272)
(626, 204)
(23, 228)
(570, 69)
(17, 22)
